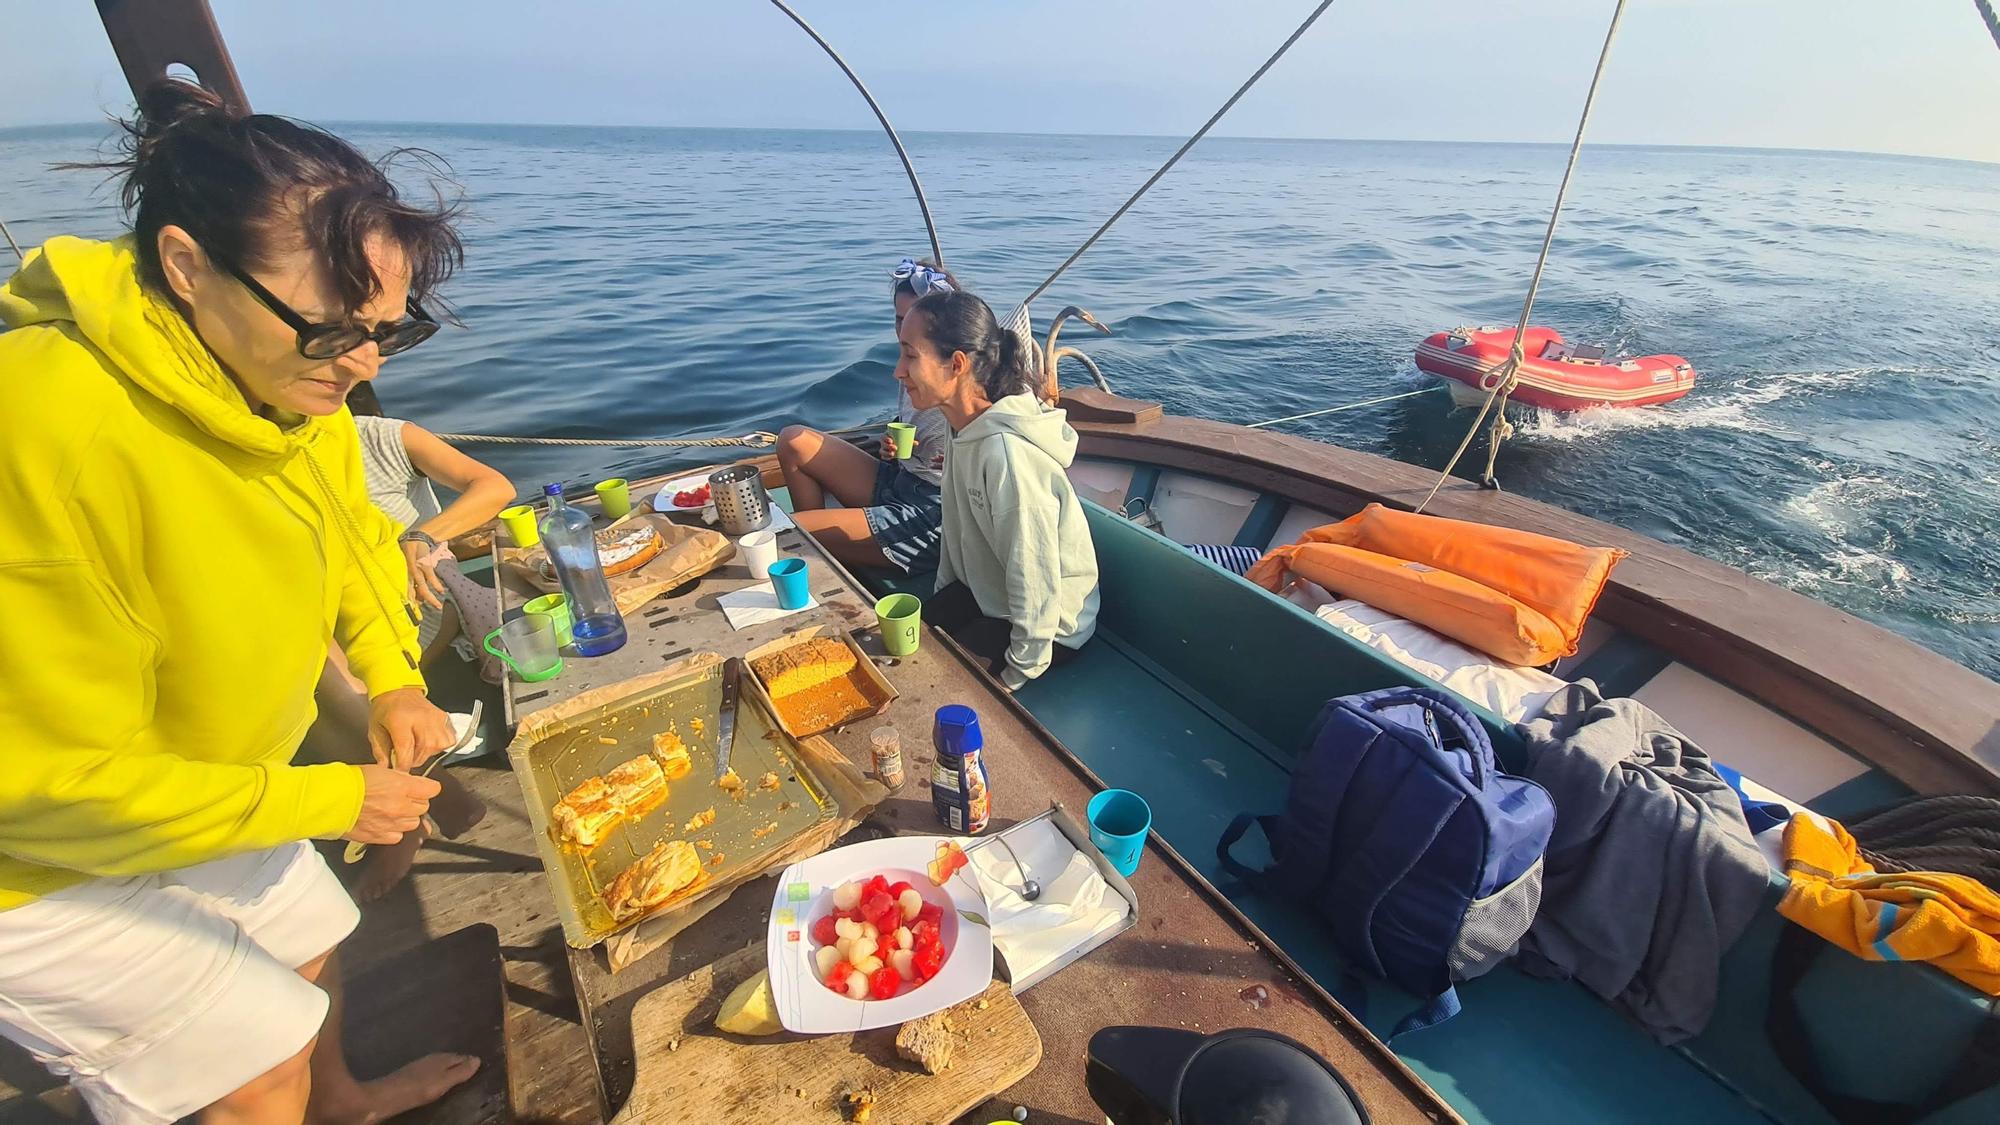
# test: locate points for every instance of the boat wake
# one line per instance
(1737, 406)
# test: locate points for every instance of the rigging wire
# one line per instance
(902, 154)
(1349, 406)
(15, 246)
(1992, 20)
(1499, 383)
(1019, 321)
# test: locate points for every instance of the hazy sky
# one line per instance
(1911, 76)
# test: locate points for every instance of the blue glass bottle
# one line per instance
(572, 546)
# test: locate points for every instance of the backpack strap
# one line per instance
(1234, 833)
(1977, 1068)
(1431, 1013)
(1381, 860)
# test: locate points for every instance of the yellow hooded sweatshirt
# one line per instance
(171, 567)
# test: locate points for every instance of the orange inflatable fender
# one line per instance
(1520, 597)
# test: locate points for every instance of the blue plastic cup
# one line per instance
(1119, 820)
(788, 578)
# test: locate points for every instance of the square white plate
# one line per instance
(805, 892)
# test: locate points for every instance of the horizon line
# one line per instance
(1801, 150)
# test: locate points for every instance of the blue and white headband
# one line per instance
(923, 279)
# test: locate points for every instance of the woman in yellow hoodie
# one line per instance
(183, 526)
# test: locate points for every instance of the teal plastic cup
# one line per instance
(1119, 820)
(788, 580)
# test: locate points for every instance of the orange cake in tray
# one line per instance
(819, 681)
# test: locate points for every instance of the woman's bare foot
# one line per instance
(416, 1084)
(386, 865)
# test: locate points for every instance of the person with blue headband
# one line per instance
(890, 514)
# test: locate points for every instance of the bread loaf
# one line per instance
(926, 1042)
(804, 665)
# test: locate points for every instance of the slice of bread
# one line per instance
(926, 1042)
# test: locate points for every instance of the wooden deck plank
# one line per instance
(1194, 974)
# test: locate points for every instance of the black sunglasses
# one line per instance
(330, 341)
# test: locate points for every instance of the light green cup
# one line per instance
(906, 439)
(900, 616)
(556, 606)
(519, 521)
(616, 496)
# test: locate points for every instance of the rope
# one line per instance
(756, 440)
(1954, 833)
(1349, 406)
(10, 241)
(1502, 380)
(1019, 319)
(902, 154)
(1992, 20)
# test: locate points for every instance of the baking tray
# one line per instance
(552, 754)
(866, 679)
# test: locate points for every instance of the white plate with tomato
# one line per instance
(876, 934)
(684, 494)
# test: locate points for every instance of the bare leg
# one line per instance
(844, 532)
(337, 1099)
(337, 660)
(276, 1097)
(448, 630)
(816, 466)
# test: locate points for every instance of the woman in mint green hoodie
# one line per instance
(1017, 580)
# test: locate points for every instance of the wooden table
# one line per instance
(1191, 961)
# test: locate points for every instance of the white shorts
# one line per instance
(159, 994)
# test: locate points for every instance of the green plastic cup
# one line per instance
(900, 616)
(556, 606)
(906, 439)
(616, 497)
(519, 521)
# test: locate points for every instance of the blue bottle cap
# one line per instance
(552, 489)
(957, 729)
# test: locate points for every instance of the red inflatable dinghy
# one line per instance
(1555, 375)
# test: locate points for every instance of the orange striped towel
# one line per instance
(1952, 921)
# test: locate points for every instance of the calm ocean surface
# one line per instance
(1843, 312)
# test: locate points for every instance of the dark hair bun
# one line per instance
(170, 102)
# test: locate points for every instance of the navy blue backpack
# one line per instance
(1401, 832)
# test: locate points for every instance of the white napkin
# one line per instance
(754, 605)
(1075, 906)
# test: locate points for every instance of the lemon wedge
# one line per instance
(748, 1010)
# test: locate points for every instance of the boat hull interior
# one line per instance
(1197, 690)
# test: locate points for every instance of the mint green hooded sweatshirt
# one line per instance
(1014, 531)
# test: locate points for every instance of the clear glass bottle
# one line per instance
(572, 545)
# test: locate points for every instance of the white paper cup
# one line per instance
(760, 550)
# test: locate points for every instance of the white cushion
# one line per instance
(1515, 694)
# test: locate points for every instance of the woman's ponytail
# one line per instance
(961, 322)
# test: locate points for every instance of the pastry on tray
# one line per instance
(804, 665)
(620, 550)
(628, 547)
(586, 814)
(637, 786)
(671, 867)
(672, 754)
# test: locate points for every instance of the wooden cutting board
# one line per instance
(688, 1071)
